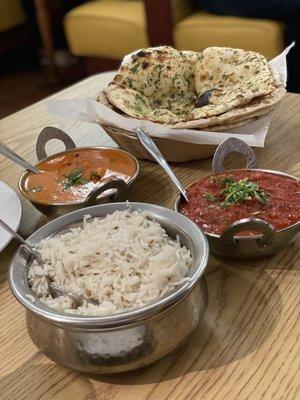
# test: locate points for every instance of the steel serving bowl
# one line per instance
(229, 244)
(124, 341)
(112, 191)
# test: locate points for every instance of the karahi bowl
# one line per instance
(230, 243)
(124, 341)
(114, 190)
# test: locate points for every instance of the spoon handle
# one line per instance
(54, 290)
(149, 145)
(20, 239)
(9, 153)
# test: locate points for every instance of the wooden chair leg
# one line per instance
(44, 19)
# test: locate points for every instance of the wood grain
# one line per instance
(246, 347)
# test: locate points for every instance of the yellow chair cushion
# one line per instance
(11, 14)
(106, 28)
(201, 30)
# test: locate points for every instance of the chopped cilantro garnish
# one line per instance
(228, 180)
(242, 190)
(75, 177)
(159, 74)
(129, 81)
(210, 196)
(156, 84)
(137, 107)
(175, 77)
(134, 68)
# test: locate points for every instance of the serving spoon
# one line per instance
(151, 147)
(13, 156)
(55, 291)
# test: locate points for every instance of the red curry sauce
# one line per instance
(206, 206)
(70, 177)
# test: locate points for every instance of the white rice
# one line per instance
(123, 261)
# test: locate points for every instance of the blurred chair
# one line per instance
(103, 31)
(200, 30)
(14, 28)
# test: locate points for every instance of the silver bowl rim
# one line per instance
(182, 224)
(64, 204)
(254, 237)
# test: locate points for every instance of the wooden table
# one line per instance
(246, 347)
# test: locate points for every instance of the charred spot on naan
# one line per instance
(203, 99)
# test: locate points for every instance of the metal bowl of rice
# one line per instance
(147, 276)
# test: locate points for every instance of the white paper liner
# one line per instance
(90, 110)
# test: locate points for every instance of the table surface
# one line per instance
(245, 347)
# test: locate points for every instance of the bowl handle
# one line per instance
(229, 146)
(48, 133)
(121, 193)
(265, 240)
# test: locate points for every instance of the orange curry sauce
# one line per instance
(70, 177)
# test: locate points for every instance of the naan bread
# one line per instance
(258, 106)
(155, 84)
(233, 77)
(186, 89)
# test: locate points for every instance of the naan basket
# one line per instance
(260, 88)
(172, 150)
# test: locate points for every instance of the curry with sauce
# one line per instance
(69, 177)
(221, 199)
